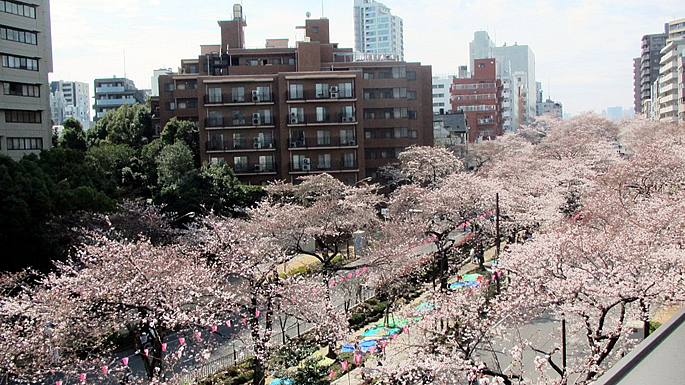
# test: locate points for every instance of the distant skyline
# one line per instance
(584, 49)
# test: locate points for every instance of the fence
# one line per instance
(235, 355)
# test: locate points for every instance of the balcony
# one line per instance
(104, 90)
(239, 122)
(332, 167)
(231, 146)
(314, 119)
(309, 143)
(226, 99)
(115, 102)
(255, 169)
(329, 96)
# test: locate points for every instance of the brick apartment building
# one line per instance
(480, 98)
(277, 113)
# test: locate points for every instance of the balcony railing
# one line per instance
(264, 97)
(305, 143)
(315, 118)
(115, 102)
(255, 168)
(239, 145)
(313, 95)
(238, 122)
(314, 166)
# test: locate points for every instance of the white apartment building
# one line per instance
(441, 93)
(676, 30)
(376, 31)
(26, 51)
(670, 93)
(70, 100)
(681, 88)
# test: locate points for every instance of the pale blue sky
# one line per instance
(583, 48)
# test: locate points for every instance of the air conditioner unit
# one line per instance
(335, 95)
(306, 161)
(257, 143)
(333, 89)
(255, 96)
(256, 121)
(293, 144)
(351, 143)
(345, 119)
(306, 167)
(294, 120)
(258, 167)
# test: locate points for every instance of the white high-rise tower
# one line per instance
(377, 31)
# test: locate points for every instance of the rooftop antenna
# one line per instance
(308, 14)
(322, 14)
(124, 64)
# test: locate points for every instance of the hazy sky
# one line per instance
(583, 48)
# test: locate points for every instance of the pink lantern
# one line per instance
(435, 237)
(357, 359)
(228, 323)
(244, 321)
(342, 278)
(364, 270)
(58, 383)
(83, 377)
(331, 374)
(198, 335)
(344, 365)
(332, 283)
(372, 350)
(144, 351)
(394, 337)
(104, 370)
(405, 329)
(164, 347)
(349, 275)
(125, 360)
(358, 272)
(182, 341)
(213, 328)
(384, 343)
(256, 313)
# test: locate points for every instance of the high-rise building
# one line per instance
(377, 31)
(480, 99)
(675, 30)
(112, 93)
(670, 95)
(637, 101)
(649, 69)
(279, 113)
(26, 50)
(515, 61)
(70, 100)
(681, 88)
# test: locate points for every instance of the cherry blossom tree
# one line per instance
(62, 324)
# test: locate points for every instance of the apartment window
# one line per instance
(169, 87)
(277, 61)
(239, 140)
(400, 112)
(216, 142)
(19, 116)
(399, 72)
(24, 143)
(348, 159)
(238, 94)
(412, 114)
(266, 162)
(322, 91)
(401, 132)
(296, 91)
(346, 112)
(264, 93)
(323, 137)
(18, 9)
(324, 161)
(345, 90)
(19, 89)
(214, 95)
(170, 106)
(240, 163)
(18, 35)
(347, 137)
(411, 95)
(265, 116)
(322, 114)
(399, 92)
(411, 75)
(215, 119)
(368, 75)
(252, 62)
(385, 75)
(19, 62)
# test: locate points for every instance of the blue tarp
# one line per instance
(380, 332)
(457, 285)
(347, 348)
(280, 381)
